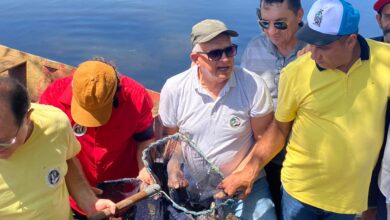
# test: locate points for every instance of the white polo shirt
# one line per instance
(220, 128)
(384, 175)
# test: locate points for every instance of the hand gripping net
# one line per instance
(174, 157)
(176, 161)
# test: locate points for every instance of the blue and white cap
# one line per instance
(327, 21)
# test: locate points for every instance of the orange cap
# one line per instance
(94, 86)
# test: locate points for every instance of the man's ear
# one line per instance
(300, 14)
(28, 115)
(194, 57)
(378, 19)
(351, 41)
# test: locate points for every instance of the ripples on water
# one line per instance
(148, 40)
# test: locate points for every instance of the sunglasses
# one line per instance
(9, 143)
(216, 55)
(280, 25)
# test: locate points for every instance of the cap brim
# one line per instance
(90, 118)
(215, 34)
(310, 36)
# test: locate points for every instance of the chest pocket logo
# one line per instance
(79, 130)
(235, 122)
(53, 177)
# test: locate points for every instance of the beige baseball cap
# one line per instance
(208, 29)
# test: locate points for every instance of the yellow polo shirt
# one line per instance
(338, 128)
(32, 180)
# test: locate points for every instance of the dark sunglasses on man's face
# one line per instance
(216, 55)
(280, 25)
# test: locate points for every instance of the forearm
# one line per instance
(265, 149)
(175, 158)
(79, 187)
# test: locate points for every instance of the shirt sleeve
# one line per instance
(262, 101)
(146, 117)
(287, 102)
(73, 144)
(167, 108)
(244, 59)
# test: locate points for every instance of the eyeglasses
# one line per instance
(7, 144)
(280, 25)
(216, 55)
(265, 24)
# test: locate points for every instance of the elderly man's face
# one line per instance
(384, 22)
(335, 55)
(12, 135)
(279, 12)
(215, 70)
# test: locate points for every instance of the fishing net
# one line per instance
(175, 160)
(187, 178)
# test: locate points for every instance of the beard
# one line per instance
(386, 31)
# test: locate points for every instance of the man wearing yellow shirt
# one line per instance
(333, 100)
(37, 160)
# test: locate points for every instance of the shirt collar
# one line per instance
(364, 50)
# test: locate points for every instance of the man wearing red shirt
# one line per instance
(111, 117)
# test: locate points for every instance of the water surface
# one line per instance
(148, 40)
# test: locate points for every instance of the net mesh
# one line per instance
(187, 178)
(175, 160)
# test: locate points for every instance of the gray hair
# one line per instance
(197, 48)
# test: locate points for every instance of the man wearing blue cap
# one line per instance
(333, 100)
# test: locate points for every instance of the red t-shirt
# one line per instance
(108, 152)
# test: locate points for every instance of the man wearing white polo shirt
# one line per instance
(384, 175)
(223, 108)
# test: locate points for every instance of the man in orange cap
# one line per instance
(111, 117)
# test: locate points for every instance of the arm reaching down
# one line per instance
(263, 151)
(82, 193)
(143, 174)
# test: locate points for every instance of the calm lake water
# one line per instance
(148, 40)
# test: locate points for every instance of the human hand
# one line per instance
(102, 208)
(238, 183)
(303, 50)
(176, 179)
(145, 176)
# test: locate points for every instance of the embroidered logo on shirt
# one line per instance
(318, 18)
(53, 177)
(79, 130)
(235, 122)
